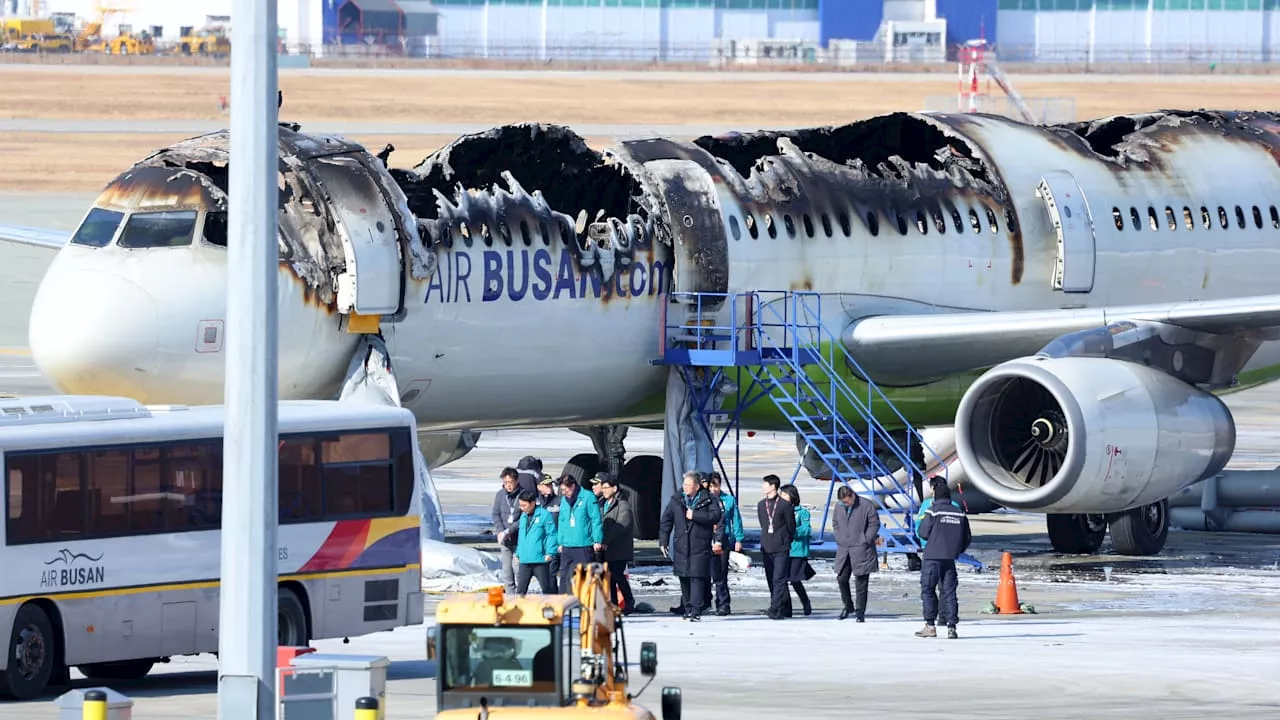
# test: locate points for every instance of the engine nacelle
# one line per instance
(1088, 435)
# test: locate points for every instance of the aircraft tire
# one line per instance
(1076, 534)
(643, 475)
(1142, 530)
(582, 466)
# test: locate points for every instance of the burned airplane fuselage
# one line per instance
(522, 276)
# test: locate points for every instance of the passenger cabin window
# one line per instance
(98, 228)
(1134, 218)
(1205, 218)
(170, 228)
(215, 229)
(1118, 217)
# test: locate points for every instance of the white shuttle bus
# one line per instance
(110, 555)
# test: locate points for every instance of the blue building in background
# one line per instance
(808, 30)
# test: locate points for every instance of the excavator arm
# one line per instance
(597, 633)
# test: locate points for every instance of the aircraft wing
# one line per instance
(38, 237)
(913, 349)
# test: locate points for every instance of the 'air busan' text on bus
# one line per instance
(536, 274)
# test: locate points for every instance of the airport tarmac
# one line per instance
(1184, 634)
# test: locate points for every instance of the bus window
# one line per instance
(357, 447)
(191, 502)
(300, 490)
(406, 474)
(67, 518)
(108, 494)
(146, 494)
(357, 490)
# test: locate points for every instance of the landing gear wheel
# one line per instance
(642, 475)
(1141, 531)
(582, 466)
(123, 670)
(1076, 534)
(291, 620)
(32, 654)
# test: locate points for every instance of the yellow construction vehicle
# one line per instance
(33, 35)
(507, 658)
(212, 41)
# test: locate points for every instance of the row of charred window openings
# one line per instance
(902, 221)
(1188, 219)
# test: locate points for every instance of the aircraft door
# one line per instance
(1073, 224)
(373, 282)
(700, 248)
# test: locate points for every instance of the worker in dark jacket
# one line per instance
(530, 469)
(946, 528)
(856, 526)
(619, 541)
(506, 510)
(688, 523)
(777, 531)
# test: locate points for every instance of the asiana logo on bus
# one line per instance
(69, 569)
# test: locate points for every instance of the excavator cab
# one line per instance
(536, 653)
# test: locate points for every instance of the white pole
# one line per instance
(247, 612)
(1093, 33)
(1148, 28)
(542, 46)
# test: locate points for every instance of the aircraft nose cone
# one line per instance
(94, 333)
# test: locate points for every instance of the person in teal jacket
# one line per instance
(581, 529)
(536, 544)
(799, 570)
(728, 534)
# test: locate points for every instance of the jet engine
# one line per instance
(1088, 435)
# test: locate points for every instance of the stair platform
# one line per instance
(775, 345)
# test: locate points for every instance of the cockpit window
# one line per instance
(170, 228)
(98, 228)
(215, 228)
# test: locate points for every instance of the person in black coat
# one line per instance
(688, 524)
(777, 530)
(619, 540)
(856, 526)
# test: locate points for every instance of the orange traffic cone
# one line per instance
(1007, 592)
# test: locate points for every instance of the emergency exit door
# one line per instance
(1073, 224)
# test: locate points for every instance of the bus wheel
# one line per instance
(122, 670)
(32, 654)
(291, 620)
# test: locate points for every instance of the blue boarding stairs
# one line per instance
(776, 347)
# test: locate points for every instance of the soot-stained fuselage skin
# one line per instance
(536, 272)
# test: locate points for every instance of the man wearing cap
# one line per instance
(530, 469)
(580, 529)
(549, 500)
(506, 510)
(619, 540)
(945, 527)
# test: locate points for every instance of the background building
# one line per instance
(744, 31)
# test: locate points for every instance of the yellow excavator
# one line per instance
(503, 658)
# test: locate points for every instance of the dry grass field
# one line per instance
(68, 161)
